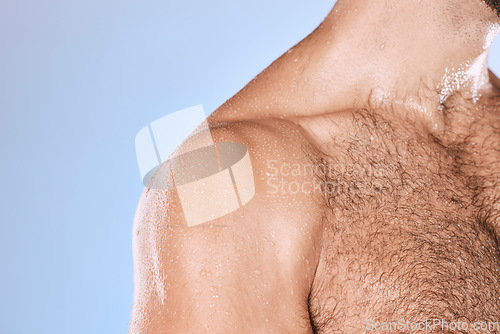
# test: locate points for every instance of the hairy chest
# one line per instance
(411, 230)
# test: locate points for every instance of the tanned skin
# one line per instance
(389, 116)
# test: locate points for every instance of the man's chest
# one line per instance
(411, 231)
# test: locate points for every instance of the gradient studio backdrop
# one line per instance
(78, 79)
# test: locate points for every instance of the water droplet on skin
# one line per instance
(213, 289)
(257, 272)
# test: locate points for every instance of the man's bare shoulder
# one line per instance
(266, 164)
(241, 217)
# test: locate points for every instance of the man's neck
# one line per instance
(416, 53)
(410, 55)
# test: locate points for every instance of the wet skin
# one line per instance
(365, 207)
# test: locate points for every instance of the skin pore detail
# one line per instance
(375, 154)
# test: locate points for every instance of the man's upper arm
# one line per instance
(248, 271)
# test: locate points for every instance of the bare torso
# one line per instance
(377, 188)
(413, 223)
(399, 225)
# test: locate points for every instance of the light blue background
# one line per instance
(78, 80)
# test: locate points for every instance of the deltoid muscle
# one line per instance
(211, 179)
